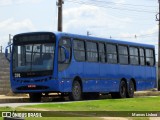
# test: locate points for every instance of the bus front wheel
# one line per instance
(76, 93)
(35, 97)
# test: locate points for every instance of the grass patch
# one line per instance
(7, 108)
(133, 104)
(3, 109)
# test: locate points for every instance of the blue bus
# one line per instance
(79, 66)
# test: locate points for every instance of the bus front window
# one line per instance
(33, 57)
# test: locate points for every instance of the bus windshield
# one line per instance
(33, 57)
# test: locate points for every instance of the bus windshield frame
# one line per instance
(35, 54)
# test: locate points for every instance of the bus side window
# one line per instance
(66, 42)
(79, 50)
(134, 59)
(142, 57)
(102, 53)
(111, 53)
(123, 54)
(92, 51)
(149, 57)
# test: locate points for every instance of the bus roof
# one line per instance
(93, 38)
(103, 39)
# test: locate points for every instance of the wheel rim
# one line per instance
(76, 91)
(131, 88)
(123, 89)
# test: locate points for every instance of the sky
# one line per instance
(129, 20)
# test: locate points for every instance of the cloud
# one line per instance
(119, 1)
(5, 2)
(12, 26)
(27, 1)
(10, 2)
(85, 17)
(148, 36)
(150, 31)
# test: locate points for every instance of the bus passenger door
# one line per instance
(64, 69)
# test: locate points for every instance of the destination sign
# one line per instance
(29, 38)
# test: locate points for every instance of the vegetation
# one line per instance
(132, 104)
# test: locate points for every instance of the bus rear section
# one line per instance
(104, 66)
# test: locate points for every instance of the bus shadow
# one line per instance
(66, 98)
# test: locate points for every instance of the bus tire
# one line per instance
(35, 97)
(76, 93)
(131, 89)
(122, 89)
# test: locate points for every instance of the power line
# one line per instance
(126, 9)
(124, 4)
(132, 36)
(140, 36)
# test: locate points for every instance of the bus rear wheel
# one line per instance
(131, 89)
(76, 93)
(35, 97)
(122, 91)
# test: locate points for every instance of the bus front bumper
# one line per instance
(21, 86)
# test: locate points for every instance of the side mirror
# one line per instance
(66, 52)
(6, 52)
(63, 54)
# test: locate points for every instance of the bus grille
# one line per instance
(28, 81)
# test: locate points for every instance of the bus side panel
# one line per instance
(109, 78)
(154, 78)
(150, 77)
(92, 77)
(125, 73)
(65, 83)
(139, 76)
(67, 76)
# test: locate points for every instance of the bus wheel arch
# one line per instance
(77, 78)
(76, 93)
(122, 89)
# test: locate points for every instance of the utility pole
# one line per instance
(0, 49)
(10, 41)
(59, 4)
(88, 33)
(158, 19)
